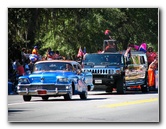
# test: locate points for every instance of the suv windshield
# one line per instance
(103, 59)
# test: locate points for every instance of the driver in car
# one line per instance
(69, 67)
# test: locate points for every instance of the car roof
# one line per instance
(120, 52)
(66, 61)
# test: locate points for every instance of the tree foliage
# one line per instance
(66, 29)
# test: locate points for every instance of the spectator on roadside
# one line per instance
(154, 64)
(20, 69)
(27, 53)
(151, 55)
(23, 55)
(151, 71)
(30, 65)
(57, 56)
(14, 65)
(17, 55)
(33, 58)
(49, 54)
(35, 50)
(26, 67)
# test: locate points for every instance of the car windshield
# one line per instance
(52, 66)
(103, 59)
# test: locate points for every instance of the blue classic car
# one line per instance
(55, 78)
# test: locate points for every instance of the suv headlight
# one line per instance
(23, 80)
(118, 71)
(63, 79)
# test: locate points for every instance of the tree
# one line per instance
(66, 29)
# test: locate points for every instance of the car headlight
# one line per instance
(23, 80)
(63, 79)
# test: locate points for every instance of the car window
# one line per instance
(77, 66)
(142, 59)
(136, 59)
(52, 66)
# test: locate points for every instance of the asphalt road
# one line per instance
(99, 107)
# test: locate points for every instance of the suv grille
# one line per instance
(100, 71)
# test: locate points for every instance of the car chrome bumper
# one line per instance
(42, 90)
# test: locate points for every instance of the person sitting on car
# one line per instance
(142, 47)
(110, 47)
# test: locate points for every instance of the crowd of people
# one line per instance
(24, 59)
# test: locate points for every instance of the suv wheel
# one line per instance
(120, 85)
(144, 88)
(109, 89)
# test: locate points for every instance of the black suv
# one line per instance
(113, 70)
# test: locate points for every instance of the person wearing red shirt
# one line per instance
(20, 69)
(151, 55)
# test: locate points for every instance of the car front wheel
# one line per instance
(27, 97)
(83, 95)
(45, 98)
(68, 96)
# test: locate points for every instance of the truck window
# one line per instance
(103, 59)
(136, 59)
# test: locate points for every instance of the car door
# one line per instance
(81, 77)
(136, 70)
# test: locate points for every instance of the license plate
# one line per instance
(42, 92)
(98, 81)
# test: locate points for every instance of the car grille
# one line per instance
(47, 87)
(100, 76)
(100, 71)
(45, 80)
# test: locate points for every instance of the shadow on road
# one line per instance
(15, 111)
(127, 93)
(75, 99)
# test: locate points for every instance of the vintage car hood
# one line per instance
(48, 77)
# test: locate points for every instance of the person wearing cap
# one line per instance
(107, 33)
(35, 50)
